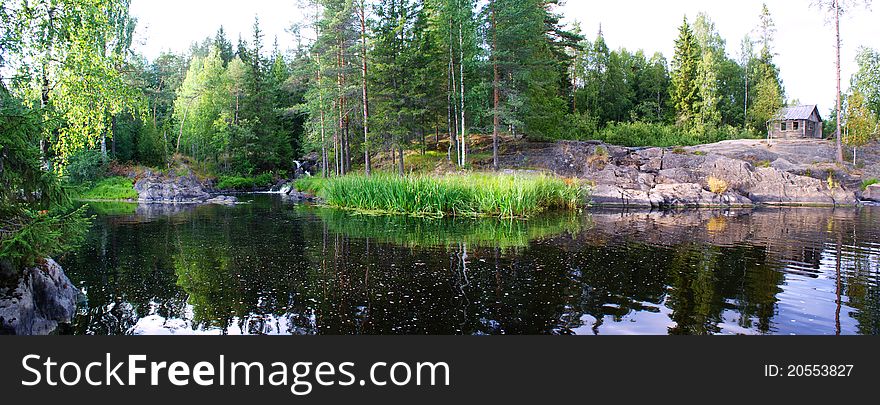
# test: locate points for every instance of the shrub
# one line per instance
(86, 165)
(471, 195)
(869, 182)
(640, 134)
(717, 186)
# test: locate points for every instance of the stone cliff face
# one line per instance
(737, 173)
(42, 299)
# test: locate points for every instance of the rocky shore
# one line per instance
(41, 299)
(741, 173)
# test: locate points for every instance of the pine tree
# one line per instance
(685, 73)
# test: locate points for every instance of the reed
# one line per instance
(458, 195)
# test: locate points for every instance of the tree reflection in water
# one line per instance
(273, 267)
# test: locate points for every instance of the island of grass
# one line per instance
(108, 189)
(458, 195)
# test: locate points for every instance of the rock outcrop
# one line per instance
(725, 174)
(872, 193)
(176, 189)
(42, 299)
(159, 188)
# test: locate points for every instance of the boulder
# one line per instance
(872, 193)
(42, 299)
(170, 189)
(223, 200)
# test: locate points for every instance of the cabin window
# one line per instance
(795, 125)
(782, 126)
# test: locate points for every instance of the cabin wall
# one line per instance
(795, 129)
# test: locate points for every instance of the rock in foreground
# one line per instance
(42, 299)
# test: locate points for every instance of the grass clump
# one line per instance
(869, 182)
(469, 195)
(111, 188)
(310, 184)
(238, 183)
(717, 186)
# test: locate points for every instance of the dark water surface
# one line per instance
(273, 267)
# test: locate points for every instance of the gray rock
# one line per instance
(297, 196)
(170, 189)
(43, 298)
(651, 177)
(223, 200)
(872, 193)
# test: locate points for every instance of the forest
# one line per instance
(365, 86)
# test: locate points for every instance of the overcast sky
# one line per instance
(805, 43)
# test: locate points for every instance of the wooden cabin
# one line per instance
(801, 122)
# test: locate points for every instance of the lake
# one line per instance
(276, 267)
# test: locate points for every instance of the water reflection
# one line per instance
(273, 267)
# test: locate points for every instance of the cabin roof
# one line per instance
(801, 112)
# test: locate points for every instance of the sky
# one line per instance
(804, 41)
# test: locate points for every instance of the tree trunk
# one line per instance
(495, 95)
(839, 103)
(400, 166)
(367, 168)
(461, 83)
(453, 109)
(180, 134)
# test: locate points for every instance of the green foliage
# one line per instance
(245, 183)
(85, 166)
(111, 188)
(504, 196)
(35, 221)
(861, 123)
(639, 134)
(310, 184)
(685, 72)
(42, 234)
(869, 182)
(867, 80)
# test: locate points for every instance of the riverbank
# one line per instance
(741, 173)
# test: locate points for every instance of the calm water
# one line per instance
(273, 267)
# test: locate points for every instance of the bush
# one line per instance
(868, 183)
(640, 134)
(111, 188)
(86, 165)
(471, 195)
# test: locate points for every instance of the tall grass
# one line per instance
(470, 195)
(111, 188)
